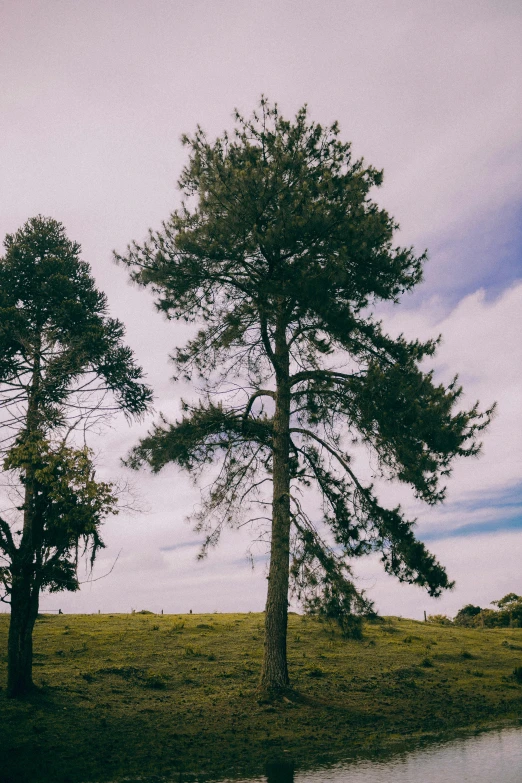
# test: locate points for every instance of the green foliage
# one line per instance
(51, 311)
(466, 615)
(69, 503)
(63, 370)
(507, 614)
(277, 252)
(510, 601)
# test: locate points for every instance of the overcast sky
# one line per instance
(94, 98)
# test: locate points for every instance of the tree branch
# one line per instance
(319, 374)
(6, 538)
(337, 456)
(259, 393)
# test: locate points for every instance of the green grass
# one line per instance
(143, 695)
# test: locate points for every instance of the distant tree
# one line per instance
(509, 613)
(466, 615)
(507, 601)
(278, 252)
(63, 366)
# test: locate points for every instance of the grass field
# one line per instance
(143, 695)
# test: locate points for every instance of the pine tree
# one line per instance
(278, 252)
(63, 366)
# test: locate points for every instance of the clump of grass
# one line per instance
(154, 681)
(466, 655)
(176, 628)
(193, 652)
(408, 673)
(517, 673)
(316, 672)
(427, 663)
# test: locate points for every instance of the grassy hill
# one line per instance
(142, 694)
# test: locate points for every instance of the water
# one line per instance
(495, 757)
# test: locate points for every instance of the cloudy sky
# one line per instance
(94, 98)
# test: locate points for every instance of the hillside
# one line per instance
(143, 694)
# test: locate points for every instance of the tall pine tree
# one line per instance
(277, 252)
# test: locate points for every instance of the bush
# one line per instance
(466, 615)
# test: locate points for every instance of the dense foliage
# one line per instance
(507, 614)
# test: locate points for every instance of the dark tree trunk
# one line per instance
(24, 610)
(274, 674)
(25, 588)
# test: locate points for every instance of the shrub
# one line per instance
(466, 614)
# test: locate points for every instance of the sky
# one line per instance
(94, 98)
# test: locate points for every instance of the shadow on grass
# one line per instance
(50, 738)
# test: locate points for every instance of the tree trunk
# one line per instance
(24, 610)
(25, 588)
(274, 674)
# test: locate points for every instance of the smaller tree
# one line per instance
(467, 614)
(63, 367)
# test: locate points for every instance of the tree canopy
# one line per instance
(278, 252)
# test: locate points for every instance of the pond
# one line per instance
(493, 757)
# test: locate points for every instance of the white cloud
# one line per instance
(481, 342)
